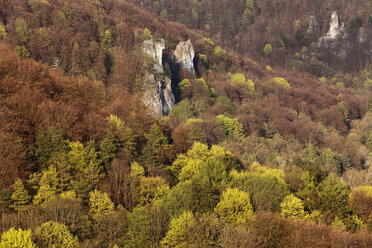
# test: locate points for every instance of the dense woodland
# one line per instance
(254, 154)
(291, 28)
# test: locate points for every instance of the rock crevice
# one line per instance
(157, 87)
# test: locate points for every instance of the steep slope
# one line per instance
(128, 130)
(290, 27)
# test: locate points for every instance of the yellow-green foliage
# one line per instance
(3, 33)
(187, 165)
(47, 186)
(316, 216)
(340, 85)
(68, 194)
(219, 51)
(100, 203)
(22, 51)
(240, 81)
(209, 41)
(116, 121)
(368, 84)
(146, 34)
(148, 188)
(292, 207)
(35, 4)
(238, 78)
(268, 49)
(282, 82)
(193, 121)
(56, 235)
(234, 207)
(366, 190)
(231, 127)
(338, 224)
(278, 174)
(203, 82)
(304, 50)
(268, 68)
(323, 80)
(20, 195)
(107, 41)
(17, 239)
(44, 36)
(137, 170)
(176, 236)
(184, 83)
(297, 24)
(21, 30)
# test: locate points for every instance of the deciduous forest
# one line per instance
(258, 135)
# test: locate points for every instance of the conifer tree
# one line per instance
(20, 196)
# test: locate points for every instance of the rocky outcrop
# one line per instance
(336, 30)
(313, 25)
(155, 49)
(157, 88)
(184, 55)
(343, 49)
(334, 45)
(158, 95)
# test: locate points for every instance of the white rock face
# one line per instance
(157, 89)
(159, 98)
(185, 54)
(335, 28)
(155, 49)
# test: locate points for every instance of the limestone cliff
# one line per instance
(155, 49)
(157, 88)
(335, 29)
(184, 55)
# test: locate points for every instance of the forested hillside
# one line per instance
(250, 153)
(291, 28)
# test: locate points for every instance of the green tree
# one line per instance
(146, 34)
(186, 165)
(148, 188)
(231, 127)
(177, 199)
(268, 49)
(156, 141)
(47, 144)
(20, 196)
(3, 33)
(333, 196)
(93, 170)
(293, 207)
(125, 134)
(234, 207)
(109, 147)
(100, 203)
(56, 235)
(17, 239)
(138, 235)
(267, 191)
(107, 42)
(35, 4)
(63, 168)
(21, 29)
(240, 81)
(177, 233)
(22, 51)
(47, 186)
